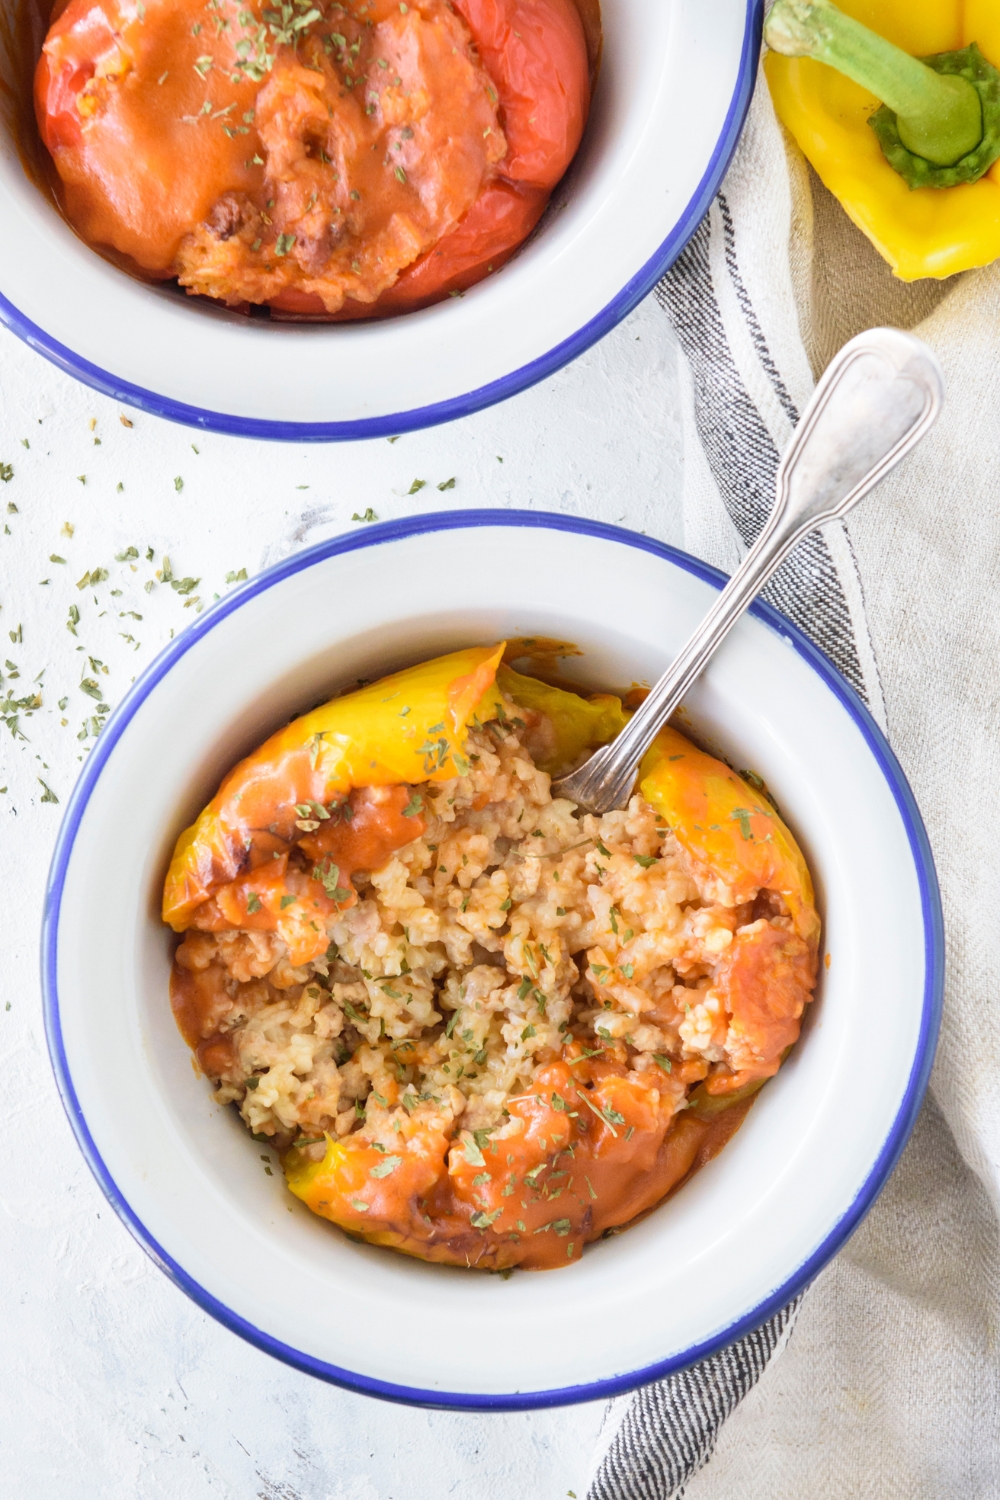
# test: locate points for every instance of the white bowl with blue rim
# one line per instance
(739, 1240)
(675, 83)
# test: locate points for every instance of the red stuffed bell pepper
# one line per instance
(344, 160)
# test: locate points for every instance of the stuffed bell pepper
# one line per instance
(477, 1026)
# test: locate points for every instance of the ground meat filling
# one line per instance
(515, 951)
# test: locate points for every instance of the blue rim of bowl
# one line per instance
(457, 406)
(930, 1013)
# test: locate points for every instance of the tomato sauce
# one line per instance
(767, 976)
(272, 895)
(596, 1151)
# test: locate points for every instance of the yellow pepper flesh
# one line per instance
(578, 724)
(727, 827)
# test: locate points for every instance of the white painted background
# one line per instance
(113, 1386)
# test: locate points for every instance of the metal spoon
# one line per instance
(875, 401)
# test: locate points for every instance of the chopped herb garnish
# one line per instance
(645, 860)
(472, 1152)
(600, 1115)
(384, 1168)
(253, 902)
(561, 1226)
(742, 816)
(95, 576)
(328, 875)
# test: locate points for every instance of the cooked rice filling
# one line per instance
(514, 927)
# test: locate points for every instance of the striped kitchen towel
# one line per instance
(888, 1381)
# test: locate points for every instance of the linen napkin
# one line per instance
(884, 1379)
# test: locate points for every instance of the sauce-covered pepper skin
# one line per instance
(403, 729)
(588, 1151)
(342, 161)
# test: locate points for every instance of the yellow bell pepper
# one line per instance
(721, 820)
(730, 831)
(923, 231)
(407, 728)
(727, 827)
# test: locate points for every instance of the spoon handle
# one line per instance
(875, 401)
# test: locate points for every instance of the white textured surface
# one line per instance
(113, 1383)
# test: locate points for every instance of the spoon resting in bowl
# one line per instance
(875, 401)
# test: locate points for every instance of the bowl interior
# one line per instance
(675, 79)
(749, 1228)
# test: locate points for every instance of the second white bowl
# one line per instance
(733, 1245)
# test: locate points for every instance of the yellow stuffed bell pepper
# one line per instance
(428, 1193)
(896, 104)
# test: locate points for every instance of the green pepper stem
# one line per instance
(939, 117)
